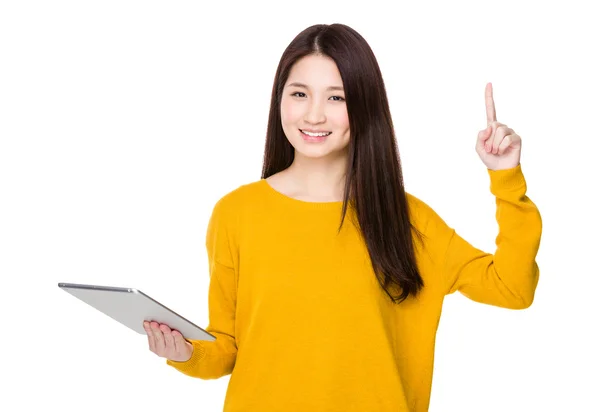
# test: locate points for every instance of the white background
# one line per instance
(123, 122)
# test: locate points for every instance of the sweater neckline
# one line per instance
(297, 202)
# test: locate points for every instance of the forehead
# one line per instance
(318, 72)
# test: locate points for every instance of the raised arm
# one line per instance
(508, 278)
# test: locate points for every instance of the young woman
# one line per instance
(326, 278)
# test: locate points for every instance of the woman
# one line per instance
(326, 278)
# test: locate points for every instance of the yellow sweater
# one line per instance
(301, 321)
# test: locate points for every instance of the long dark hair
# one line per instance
(374, 186)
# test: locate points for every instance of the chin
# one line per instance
(312, 154)
(316, 152)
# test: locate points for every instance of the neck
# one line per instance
(319, 178)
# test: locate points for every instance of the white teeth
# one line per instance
(315, 134)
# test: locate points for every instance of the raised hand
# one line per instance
(498, 146)
(167, 343)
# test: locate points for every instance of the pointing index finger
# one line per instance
(489, 104)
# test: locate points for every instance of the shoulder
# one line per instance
(424, 217)
(434, 234)
(242, 195)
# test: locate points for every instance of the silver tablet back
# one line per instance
(132, 307)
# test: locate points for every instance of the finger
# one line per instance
(159, 338)
(507, 142)
(151, 342)
(501, 132)
(179, 341)
(484, 134)
(490, 137)
(169, 343)
(482, 137)
(490, 107)
(489, 142)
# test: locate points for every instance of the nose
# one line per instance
(315, 113)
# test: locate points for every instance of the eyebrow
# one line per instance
(297, 84)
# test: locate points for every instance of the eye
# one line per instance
(341, 99)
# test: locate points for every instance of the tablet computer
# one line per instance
(132, 307)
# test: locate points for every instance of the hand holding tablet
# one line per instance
(167, 343)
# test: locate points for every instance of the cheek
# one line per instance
(289, 112)
(340, 119)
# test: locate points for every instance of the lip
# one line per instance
(313, 139)
(316, 131)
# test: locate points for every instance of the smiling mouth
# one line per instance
(314, 139)
(315, 135)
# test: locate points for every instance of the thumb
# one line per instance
(483, 136)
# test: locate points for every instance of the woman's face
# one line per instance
(308, 104)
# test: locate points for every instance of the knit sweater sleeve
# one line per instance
(509, 277)
(214, 359)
